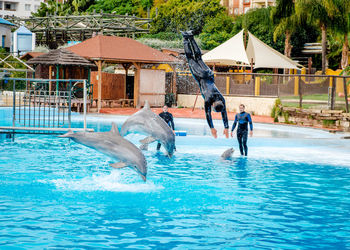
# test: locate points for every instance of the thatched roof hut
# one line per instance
(61, 57)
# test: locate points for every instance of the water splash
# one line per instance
(114, 182)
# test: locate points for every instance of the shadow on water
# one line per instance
(239, 171)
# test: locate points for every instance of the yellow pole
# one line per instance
(227, 85)
(257, 86)
(296, 86)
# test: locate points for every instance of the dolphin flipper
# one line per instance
(144, 147)
(148, 140)
(118, 165)
(115, 129)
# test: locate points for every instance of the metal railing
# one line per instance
(44, 106)
(289, 86)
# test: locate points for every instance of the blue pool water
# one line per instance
(292, 192)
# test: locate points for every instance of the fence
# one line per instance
(44, 106)
(299, 89)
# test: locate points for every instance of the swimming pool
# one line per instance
(291, 192)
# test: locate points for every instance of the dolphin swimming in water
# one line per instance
(227, 155)
(146, 121)
(115, 146)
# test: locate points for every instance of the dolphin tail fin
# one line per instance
(118, 165)
(115, 129)
(146, 105)
(67, 135)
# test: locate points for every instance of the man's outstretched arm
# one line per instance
(207, 108)
(250, 124)
(225, 121)
(234, 125)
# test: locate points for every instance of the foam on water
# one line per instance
(115, 181)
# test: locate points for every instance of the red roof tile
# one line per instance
(119, 49)
(30, 55)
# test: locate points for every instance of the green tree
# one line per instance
(216, 31)
(176, 15)
(339, 12)
(259, 23)
(285, 21)
(316, 11)
(120, 7)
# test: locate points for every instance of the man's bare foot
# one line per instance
(187, 34)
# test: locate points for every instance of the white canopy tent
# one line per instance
(233, 52)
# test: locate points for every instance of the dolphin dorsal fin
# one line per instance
(115, 129)
(146, 106)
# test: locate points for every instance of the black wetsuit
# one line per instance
(168, 118)
(242, 131)
(205, 79)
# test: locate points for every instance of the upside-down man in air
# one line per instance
(205, 79)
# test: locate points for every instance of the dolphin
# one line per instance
(145, 121)
(227, 155)
(115, 146)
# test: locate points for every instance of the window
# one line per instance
(0, 5)
(235, 11)
(36, 7)
(27, 7)
(10, 6)
(3, 41)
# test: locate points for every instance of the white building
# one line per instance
(5, 33)
(20, 8)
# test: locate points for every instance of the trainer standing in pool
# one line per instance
(242, 119)
(168, 118)
(205, 79)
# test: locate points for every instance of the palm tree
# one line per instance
(284, 19)
(339, 11)
(316, 11)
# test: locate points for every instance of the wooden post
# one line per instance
(57, 78)
(126, 67)
(99, 85)
(50, 77)
(333, 93)
(346, 95)
(174, 87)
(137, 84)
(309, 63)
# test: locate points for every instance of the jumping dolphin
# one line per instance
(227, 155)
(145, 121)
(115, 146)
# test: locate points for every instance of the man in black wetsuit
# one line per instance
(205, 79)
(168, 118)
(242, 119)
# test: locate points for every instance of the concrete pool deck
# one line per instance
(200, 114)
